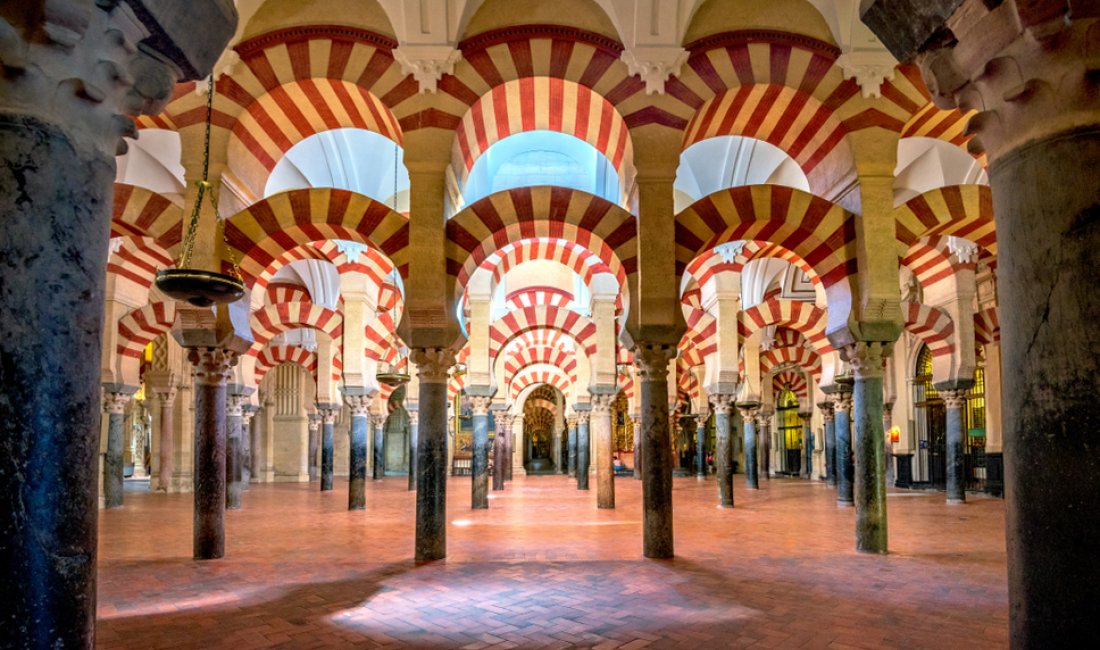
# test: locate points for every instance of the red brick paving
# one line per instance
(544, 568)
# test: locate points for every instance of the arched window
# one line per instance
(975, 423)
(930, 418)
(790, 433)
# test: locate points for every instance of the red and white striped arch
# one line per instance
(273, 320)
(930, 121)
(987, 326)
(932, 325)
(380, 339)
(516, 323)
(960, 210)
(539, 296)
(577, 258)
(263, 233)
(540, 374)
(512, 216)
(138, 212)
(137, 260)
(518, 358)
(546, 104)
(370, 263)
(279, 292)
(707, 265)
(803, 317)
(794, 381)
(275, 355)
(930, 260)
(139, 327)
(817, 231)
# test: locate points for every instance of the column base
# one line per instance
(956, 502)
(845, 504)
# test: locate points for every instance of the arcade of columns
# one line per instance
(666, 319)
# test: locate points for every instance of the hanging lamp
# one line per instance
(201, 287)
(388, 373)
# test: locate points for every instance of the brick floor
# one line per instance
(543, 568)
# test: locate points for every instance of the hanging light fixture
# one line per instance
(201, 287)
(388, 373)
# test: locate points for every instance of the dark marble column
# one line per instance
(583, 451)
(636, 418)
(500, 448)
(869, 445)
(954, 400)
(600, 425)
(748, 415)
(842, 453)
(234, 408)
(358, 400)
(379, 443)
(807, 446)
(571, 423)
(328, 433)
(247, 413)
(213, 367)
(700, 448)
(479, 473)
(114, 405)
(414, 432)
(651, 364)
(829, 414)
(313, 444)
(764, 443)
(723, 452)
(433, 366)
(166, 466)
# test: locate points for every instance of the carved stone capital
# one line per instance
(480, 404)
(328, 413)
(504, 421)
(378, 420)
(166, 396)
(414, 418)
(601, 403)
(433, 365)
(234, 405)
(359, 405)
(954, 399)
(651, 361)
(213, 366)
(571, 421)
(867, 358)
(314, 422)
(115, 402)
(427, 63)
(721, 404)
(583, 417)
(748, 411)
(247, 413)
(843, 402)
(827, 411)
(654, 65)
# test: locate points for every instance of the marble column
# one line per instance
(764, 443)
(842, 452)
(605, 445)
(807, 445)
(636, 423)
(73, 77)
(358, 401)
(582, 448)
(234, 408)
(651, 366)
(137, 446)
(379, 440)
(247, 413)
(749, 411)
(509, 448)
(571, 423)
(313, 444)
(1030, 69)
(954, 401)
(212, 368)
(479, 472)
(500, 448)
(723, 448)
(166, 466)
(328, 433)
(414, 430)
(828, 414)
(433, 366)
(701, 448)
(868, 362)
(114, 405)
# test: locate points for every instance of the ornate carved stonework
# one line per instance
(601, 403)
(432, 364)
(827, 411)
(359, 405)
(328, 413)
(480, 404)
(166, 396)
(843, 402)
(954, 399)
(721, 404)
(654, 65)
(427, 63)
(651, 361)
(234, 405)
(867, 359)
(213, 366)
(583, 417)
(246, 416)
(115, 402)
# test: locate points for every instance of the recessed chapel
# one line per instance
(532, 324)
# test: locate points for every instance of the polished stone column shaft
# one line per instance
(359, 408)
(500, 448)
(212, 370)
(433, 366)
(234, 407)
(247, 413)
(601, 427)
(636, 419)
(651, 364)
(748, 415)
(701, 448)
(379, 444)
(166, 466)
(114, 405)
(954, 401)
(723, 452)
(807, 446)
(328, 426)
(828, 414)
(479, 472)
(571, 424)
(509, 448)
(869, 445)
(582, 449)
(842, 433)
(414, 432)
(313, 445)
(764, 444)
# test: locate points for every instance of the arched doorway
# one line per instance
(542, 431)
(930, 458)
(790, 433)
